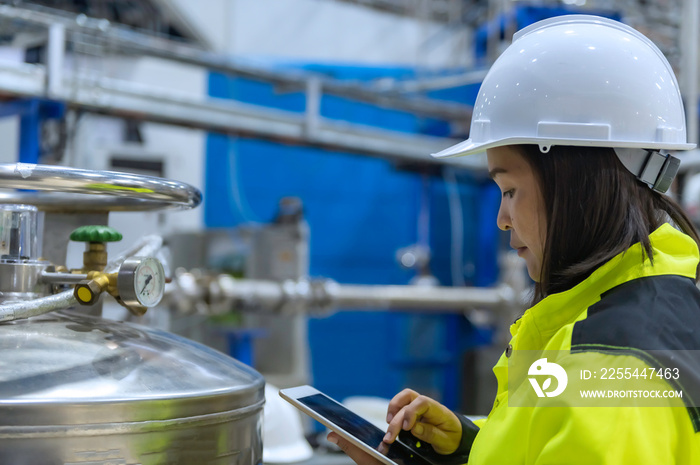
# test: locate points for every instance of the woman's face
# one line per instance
(522, 209)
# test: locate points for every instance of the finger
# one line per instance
(384, 448)
(406, 417)
(399, 401)
(394, 428)
(359, 456)
(444, 442)
(429, 411)
(417, 409)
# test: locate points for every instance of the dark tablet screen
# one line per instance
(360, 428)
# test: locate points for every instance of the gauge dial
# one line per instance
(141, 281)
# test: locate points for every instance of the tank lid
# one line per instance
(68, 368)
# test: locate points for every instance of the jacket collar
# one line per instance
(674, 253)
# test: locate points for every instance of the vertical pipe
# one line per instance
(54, 61)
(510, 25)
(229, 28)
(493, 30)
(312, 117)
(454, 201)
(454, 23)
(424, 212)
(689, 65)
(422, 13)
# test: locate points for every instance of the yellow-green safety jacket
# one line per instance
(609, 324)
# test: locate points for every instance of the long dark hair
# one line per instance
(596, 209)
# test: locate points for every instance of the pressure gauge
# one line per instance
(141, 281)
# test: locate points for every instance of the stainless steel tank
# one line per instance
(79, 389)
(76, 389)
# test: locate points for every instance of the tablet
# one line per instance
(354, 428)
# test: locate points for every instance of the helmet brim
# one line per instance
(469, 147)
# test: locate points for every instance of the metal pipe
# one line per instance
(125, 40)
(437, 83)
(62, 179)
(125, 99)
(317, 296)
(418, 297)
(147, 246)
(55, 59)
(49, 277)
(232, 117)
(312, 115)
(62, 202)
(30, 308)
(252, 294)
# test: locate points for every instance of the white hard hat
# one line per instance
(578, 80)
(283, 435)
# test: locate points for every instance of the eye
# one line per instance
(509, 193)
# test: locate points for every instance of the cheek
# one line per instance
(542, 231)
(532, 233)
(536, 226)
(537, 238)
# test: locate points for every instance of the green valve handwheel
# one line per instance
(96, 233)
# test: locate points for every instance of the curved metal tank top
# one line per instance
(76, 389)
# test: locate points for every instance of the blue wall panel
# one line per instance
(524, 15)
(360, 211)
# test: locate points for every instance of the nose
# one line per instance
(503, 219)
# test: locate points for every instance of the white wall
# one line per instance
(9, 125)
(9, 134)
(324, 30)
(181, 150)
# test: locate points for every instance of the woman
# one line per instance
(574, 117)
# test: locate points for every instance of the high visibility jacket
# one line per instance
(624, 311)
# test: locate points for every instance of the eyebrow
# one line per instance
(496, 171)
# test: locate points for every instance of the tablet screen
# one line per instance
(360, 428)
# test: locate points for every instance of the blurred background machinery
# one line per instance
(256, 282)
(307, 125)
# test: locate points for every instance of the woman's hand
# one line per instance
(426, 419)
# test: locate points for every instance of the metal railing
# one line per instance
(136, 101)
